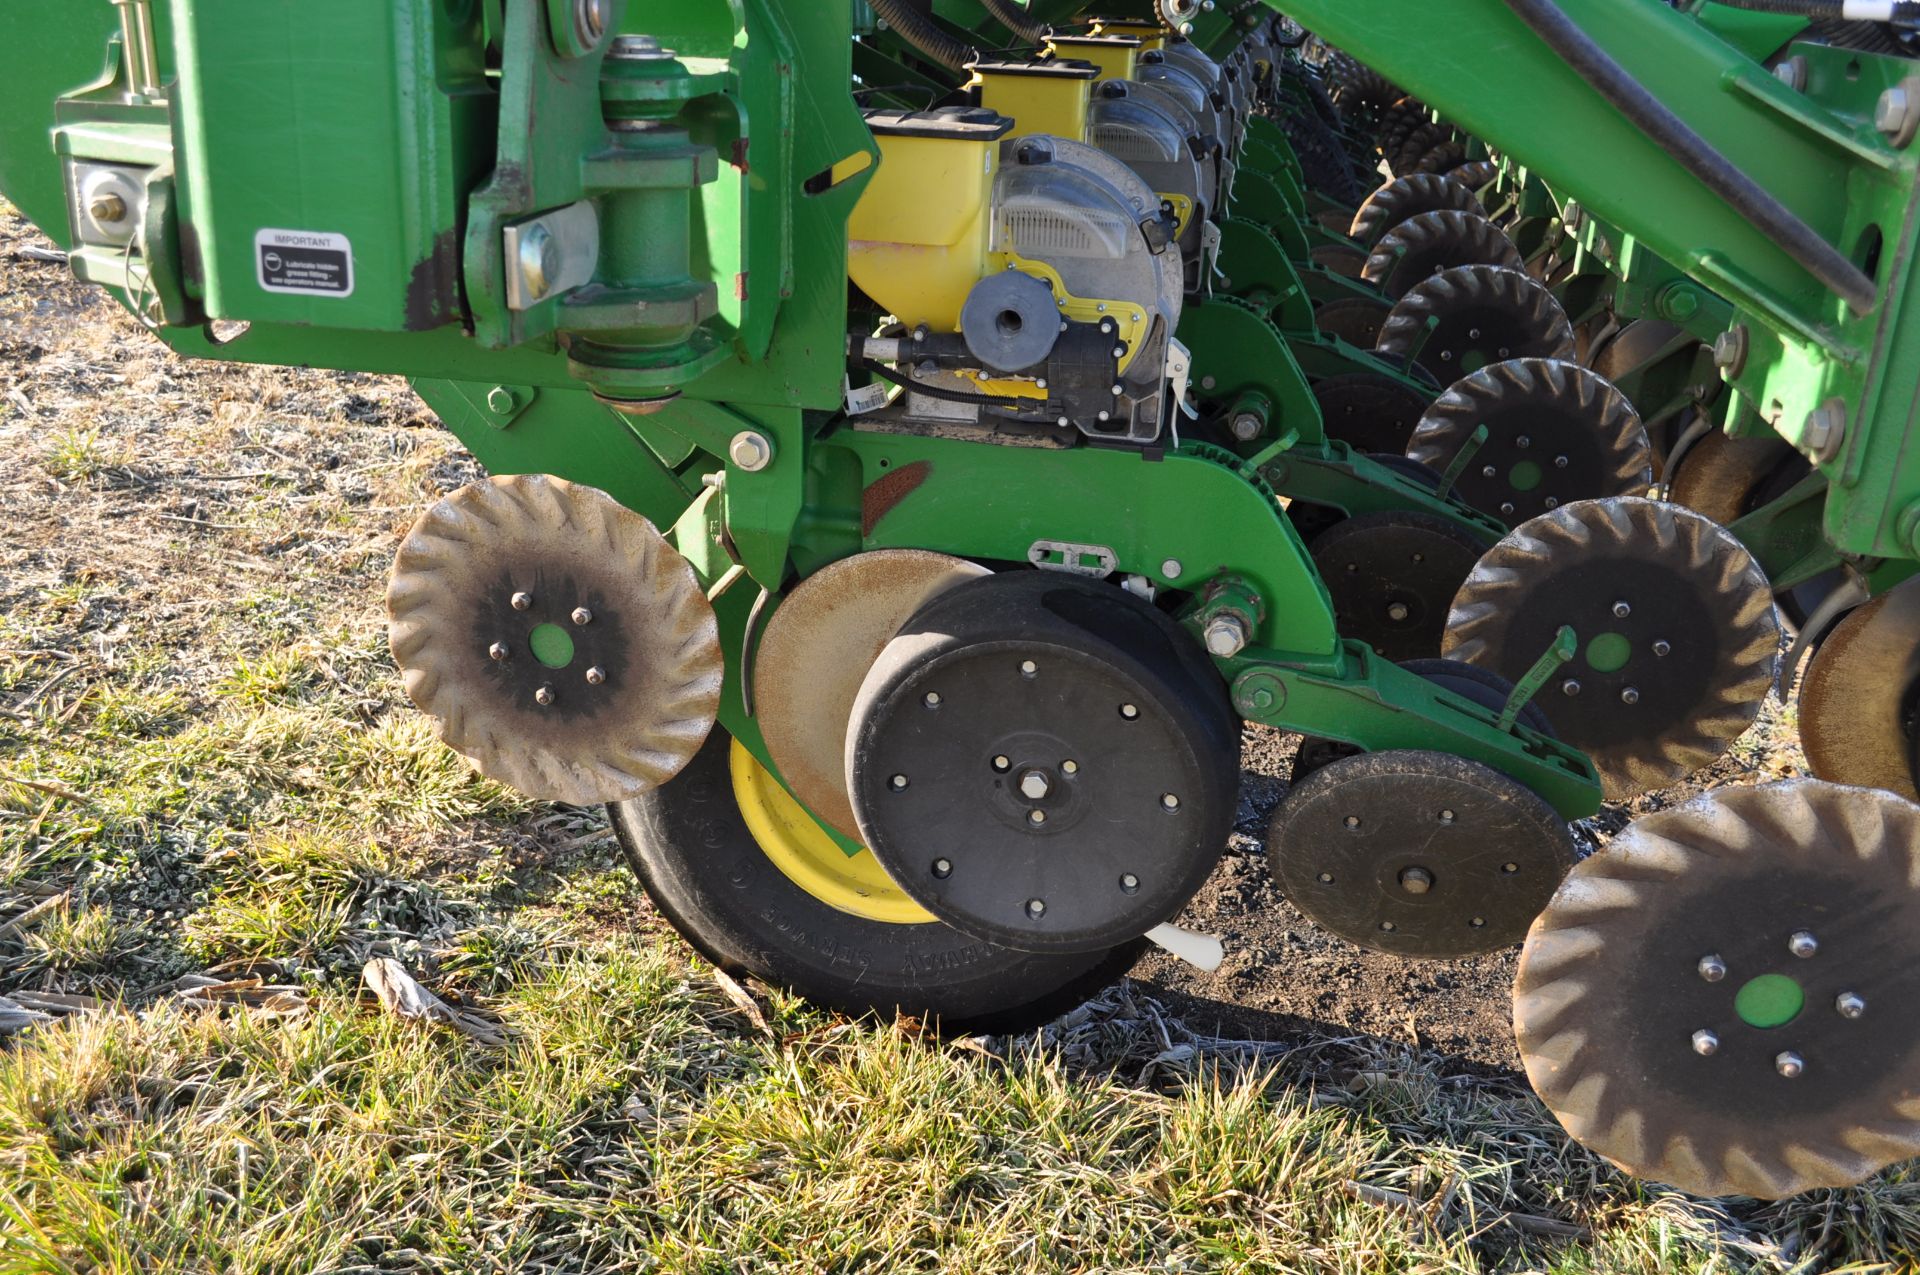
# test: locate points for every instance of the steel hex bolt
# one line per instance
(1803, 944)
(1826, 430)
(1705, 1043)
(544, 696)
(582, 616)
(1712, 968)
(1034, 785)
(1730, 351)
(1897, 113)
(596, 675)
(1789, 1064)
(498, 651)
(521, 601)
(749, 451)
(1850, 1004)
(1227, 635)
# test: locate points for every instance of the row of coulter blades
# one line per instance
(1692, 1001)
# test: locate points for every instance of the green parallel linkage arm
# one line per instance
(1836, 380)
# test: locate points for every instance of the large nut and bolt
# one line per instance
(750, 451)
(1897, 113)
(1248, 426)
(1826, 430)
(1730, 351)
(1034, 785)
(1227, 635)
(108, 209)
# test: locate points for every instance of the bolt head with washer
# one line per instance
(1227, 635)
(750, 451)
(1897, 113)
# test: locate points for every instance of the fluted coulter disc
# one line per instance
(1678, 636)
(1556, 433)
(1405, 197)
(1722, 1000)
(1461, 320)
(555, 638)
(1423, 246)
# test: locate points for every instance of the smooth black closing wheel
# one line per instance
(1355, 320)
(1676, 624)
(1371, 411)
(1556, 433)
(1045, 762)
(692, 845)
(1463, 319)
(1393, 576)
(1419, 854)
(1722, 999)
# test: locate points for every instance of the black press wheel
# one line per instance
(690, 845)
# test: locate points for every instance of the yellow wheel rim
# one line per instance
(807, 856)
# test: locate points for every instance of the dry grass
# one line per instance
(207, 767)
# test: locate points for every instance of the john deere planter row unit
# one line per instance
(923, 432)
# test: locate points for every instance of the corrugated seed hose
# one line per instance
(1011, 15)
(917, 29)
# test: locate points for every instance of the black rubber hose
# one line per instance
(917, 29)
(1822, 9)
(1904, 13)
(1674, 136)
(1010, 15)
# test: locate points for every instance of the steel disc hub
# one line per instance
(1393, 576)
(1678, 638)
(555, 638)
(1419, 854)
(1041, 762)
(847, 611)
(1722, 1000)
(1462, 320)
(1860, 701)
(1556, 433)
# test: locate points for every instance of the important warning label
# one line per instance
(304, 263)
